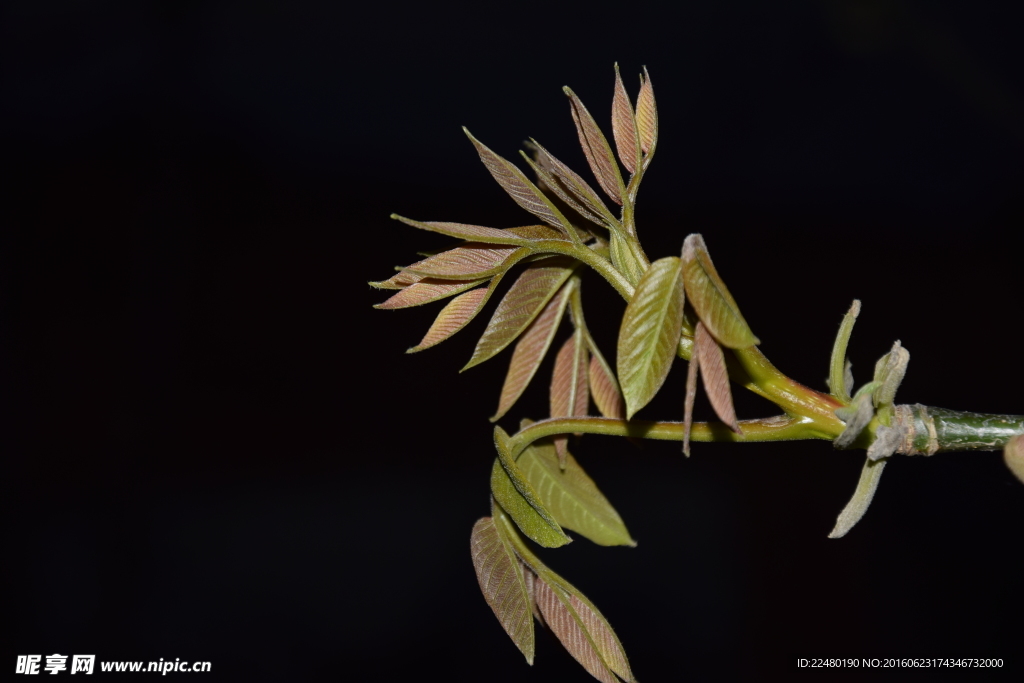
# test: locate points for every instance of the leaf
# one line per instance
(572, 497)
(521, 304)
(547, 179)
(425, 292)
(870, 475)
(517, 497)
(838, 365)
(503, 583)
(711, 299)
(857, 415)
(647, 117)
(519, 187)
(623, 258)
(691, 397)
(1013, 456)
(595, 209)
(399, 280)
(624, 126)
(475, 233)
(604, 388)
(454, 316)
(889, 371)
(574, 620)
(469, 262)
(650, 332)
(569, 395)
(596, 149)
(530, 350)
(716, 377)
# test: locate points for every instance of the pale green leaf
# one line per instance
(427, 291)
(516, 495)
(838, 365)
(571, 496)
(530, 350)
(597, 150)
(521, 304)
(870, 475)
(647, 117)
(519, 187)
(650, 332)
(624, 130)
(502, 581)
(1013, 456)
(711, 299)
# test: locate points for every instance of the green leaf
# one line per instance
(838, 365)
(571, 496)
(889, 372)
(575, 621)
(647, 118)
(624, 130)
(623, 258)
(519, 187)
(475, 233)
(502, 581)
(517, 496)
(650, 333)
(711, 299)
(1013, 456)
(530, 350)
(870, 475)
(427, 291)
(522, 303)
(597, 150)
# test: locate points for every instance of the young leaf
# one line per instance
(519, 187)
(857, 415)
(604, 388)
(522, 303)
(596, 210)
(547, 179)
(1013, 456)
(650, 333)
(889, 370)
(469, 262)
(516, 495)
(624, 126)
(716, 377)
(475, 233)
(571, 496)
(426, 291)
(503, 583)
(530, 351)
(623, 258)
(454, 316)
(569, 396)
(575, 621)
(399, 280)
(647, 117)
(870, 475)
(691, 397)
(838, 366)
(711, 299)
(596, 149)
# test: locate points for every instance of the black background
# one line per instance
(216, 450)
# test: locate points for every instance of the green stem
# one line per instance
(592, 259)
(928, 430)
(778, 428)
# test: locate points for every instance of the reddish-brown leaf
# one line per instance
(604, 388)
(399, 280)
(549, 180)
(469, 262)
(624, 126)
(426, 291)
(476, 233)
(569, 395)
(691, 396)
(530, 351)
(584, 634)
(646, 115)
(597, 150)
(519, 187)
(501, 577)
(454, 316)
(716, 377)
(522, 303)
